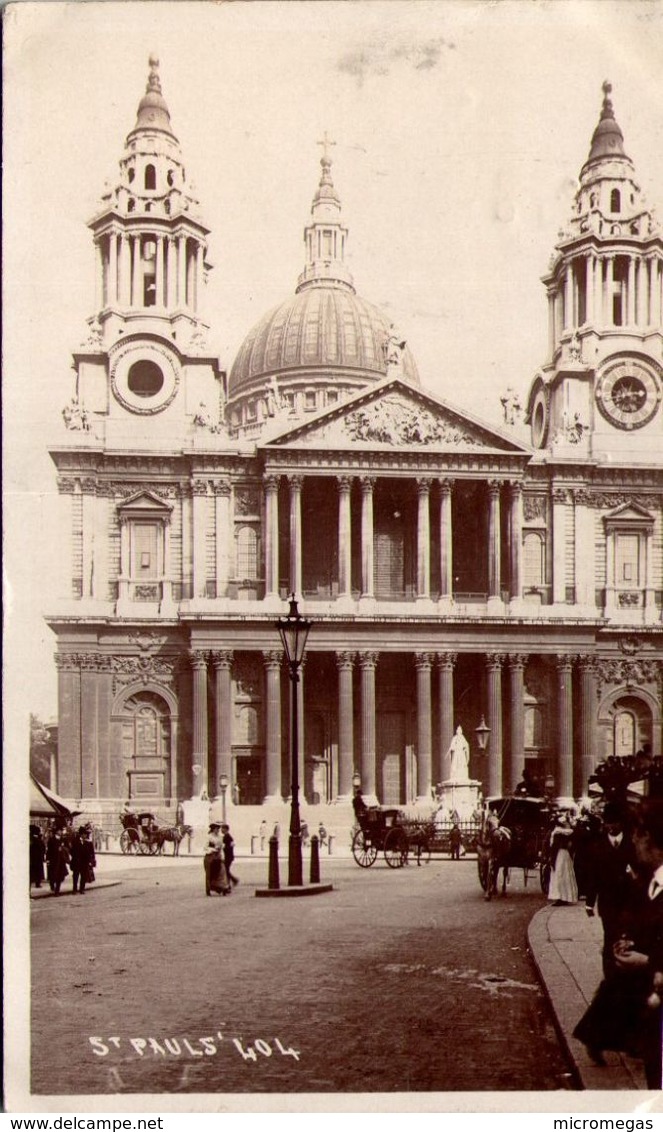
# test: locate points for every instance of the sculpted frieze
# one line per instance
(632, 673)
(247, 501)
(394, 421)
(534, 507)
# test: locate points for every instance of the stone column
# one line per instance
(568, 297)
(171, 269)
(559, 544)
(181, 273)
(296, 483)
(598, 291)
(344, 536)
(272, 536)
(199, 488)
(631, 295)
(585, 571)
(367, 484)
(89, 506)
(423, 539)
(124, 281)
(446, 541)
(517, 663)
(551, 323)
(100, 578)
(199, 749)
(446, 662)
(589, 289)
(273, 661)
(564, 771)
(223, 535)
(198, 287)
(423, 662)
(112, 270)
(222, 662)
(159, 269)
(494, 541)
(609, 307)
(651, 292)
(136, 296)
(516, 540)
(346, 755)
(494, 663)
(588, 714)
(367, 665)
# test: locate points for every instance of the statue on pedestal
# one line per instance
(459, 753)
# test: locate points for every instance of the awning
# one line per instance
(44, 803)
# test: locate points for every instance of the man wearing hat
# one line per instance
(216, 879)
(609, 883)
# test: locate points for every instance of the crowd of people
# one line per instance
(60, 852)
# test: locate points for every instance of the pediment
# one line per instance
(629, 514)
(394, 414)
(144, 503)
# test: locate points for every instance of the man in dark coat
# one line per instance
(228, 853)
(37, 852)
(57, 858)
(83, 860)
(608, 880)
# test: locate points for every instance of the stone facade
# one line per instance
(452, 569)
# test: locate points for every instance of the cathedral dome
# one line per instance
(322, 344)
(326, 327)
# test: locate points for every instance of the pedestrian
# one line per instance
(228, 853)
(37, 855)
(57, 859)
(322, 834)
(303, 832)
(455, 842)
(609, 884)
(263, 834)
(83, 861)
(563, 888)
(216, 878)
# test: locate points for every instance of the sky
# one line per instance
(460, 131)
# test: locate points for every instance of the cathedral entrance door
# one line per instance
(391, 757)
(248, 779)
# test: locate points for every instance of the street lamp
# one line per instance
(482, 733)
(356, 780)
(223, 786)
(294, 630)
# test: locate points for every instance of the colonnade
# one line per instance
(175, 262)
(595, 275)
(356, 723)
(424, 486)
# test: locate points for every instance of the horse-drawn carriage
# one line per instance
(141, 833)
(515, 834)
(381, 830)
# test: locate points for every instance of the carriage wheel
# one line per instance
(128, 843)
(483, 866)
(363, 851)
(422, 851)
(395, 848)
(544, 877)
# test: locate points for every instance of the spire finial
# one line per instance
(153, 81)
(607, 110)
(325, 143)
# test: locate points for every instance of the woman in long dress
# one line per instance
(563, 887)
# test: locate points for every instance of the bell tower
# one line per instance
(599, 394)
(147, 350)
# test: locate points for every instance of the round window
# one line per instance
(145, 378)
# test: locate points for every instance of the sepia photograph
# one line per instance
(333, 556)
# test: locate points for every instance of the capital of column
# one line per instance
(221, 658)
(273, 658)
(495, 660)
(424, 660)
(344, 484)
(446, 660)
(424, 484)
(221, 487)
(564, 662)
(272, 482)
(518, 659)
(199, 487)
(516, 488)
(588, 663)
(494, 488)
(368, 660)
(197, 659)
(367, 485)
(345, 660)
(446, 485)
(296, 482)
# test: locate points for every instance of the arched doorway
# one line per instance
(146, 747)
(626, 723)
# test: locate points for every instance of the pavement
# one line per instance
(565, 945)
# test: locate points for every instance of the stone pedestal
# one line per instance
(463, 797)
(197, 814)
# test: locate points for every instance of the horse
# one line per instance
(495, 847)
(174, 833)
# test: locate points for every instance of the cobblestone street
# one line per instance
(398, 980)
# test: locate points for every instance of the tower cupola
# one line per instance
(325, 237)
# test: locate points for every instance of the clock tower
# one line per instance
(599, 395)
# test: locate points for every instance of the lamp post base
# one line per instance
(295, 870)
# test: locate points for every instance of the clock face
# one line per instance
(628, 395)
